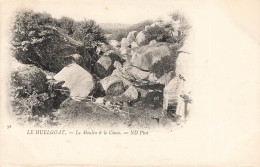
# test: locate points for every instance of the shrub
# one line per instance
(43, 41)
(165, 65)
(32, 97)
(36, 41)
(89, 33)
(157, 33)
(29, 79)
(65, 24)
(30, 91)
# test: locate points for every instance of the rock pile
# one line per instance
(127, 70)
(139, 62)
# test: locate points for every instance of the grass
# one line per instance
(74, 113)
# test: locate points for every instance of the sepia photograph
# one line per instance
(68, 72)
(120, 83)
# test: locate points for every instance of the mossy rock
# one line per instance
(27, 79)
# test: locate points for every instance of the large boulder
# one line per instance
(144, 57)
(103, 67)
(125, 79)
(125, 57)
(30, 93)
(99, 71)
(115, 57)
(166, 78)
(134, 45)
(130, 94)
(131, 36)
(141, 39)
(113, 85)
(29, 78)
(152, 78)
(107, 53)
(105, 61)
(124, 51)
(100, 100)
(79, 81)
(152, 42)
(137, 73)
(103, 49)
(76, 58)
(117, 65)
(146, 28)
(120, 72)
(125, 43)
(114, 43)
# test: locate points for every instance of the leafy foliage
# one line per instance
(32, 97)
(28, 30)
(30, 91)
(66, 25)
(184, 26)
(163, 66)
(89, 33)
(164, 31)
(44, 41)
(157, 33)
(50, 44)
(36, 42)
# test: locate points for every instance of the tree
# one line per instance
(65, 24)
(89, 33)
(37, 41)
(91, 36)
(46, 42)
(29, 31)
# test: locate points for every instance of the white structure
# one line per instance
(171, 92)
(179, 87)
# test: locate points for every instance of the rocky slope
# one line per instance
(144, 62)
(132, 72)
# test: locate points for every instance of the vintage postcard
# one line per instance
(130, 83)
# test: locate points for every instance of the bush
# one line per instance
(157, 33)
(36, 41)
(165, 65)
(45, 42)
(89, 33)
(32, 97)
(65, 24)
(29, 79)
(30, 91)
